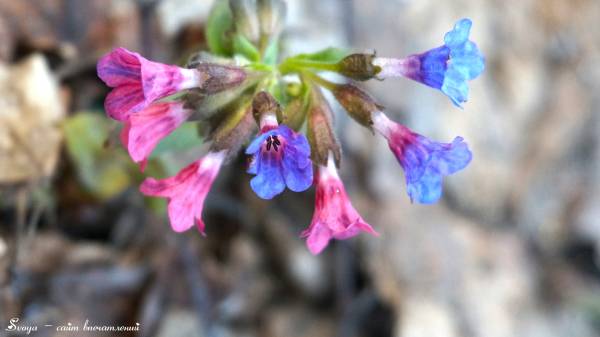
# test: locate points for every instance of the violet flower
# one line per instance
(424, 161)
(281, 157)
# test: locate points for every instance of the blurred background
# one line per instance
(513, 249)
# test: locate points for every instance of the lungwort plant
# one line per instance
(275, 111)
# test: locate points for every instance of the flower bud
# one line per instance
(206, 106)
(358, 67)
(265, 109)
(294, 113)
(244, 16)
(235, 129)
(359, 104)
(271, 14)
(219, 77)
(321, 135)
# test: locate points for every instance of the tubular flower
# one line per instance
(447, 68)
(425, 162)
(138, 82)
(280, 158)
(145, 129)
(186, 191)
(334, 215)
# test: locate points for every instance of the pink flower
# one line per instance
(186, 191)
(138, 82)
(142, 132)
(334, 215)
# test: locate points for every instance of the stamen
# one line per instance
(269, 143)
(274, 142)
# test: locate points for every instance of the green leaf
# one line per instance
(219, 23)
(271, 53)
(330, 54)
(242, 46)
(102, 171)
(183, 138)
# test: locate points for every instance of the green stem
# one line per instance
(319, 80)
(260, 67)
(292, 65)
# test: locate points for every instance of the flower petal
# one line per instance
(459, 35)
(119, 67)
(334, 215)
(318, 238)
(187, 191)
(268, 182)
(124, 100)
(149, 126)
(298, 175)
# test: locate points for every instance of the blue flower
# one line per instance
(424, 161)
(466, 62)
(450, 66)
(281, 157)
(447, 68)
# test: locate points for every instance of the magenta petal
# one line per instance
(138, 82)
(186, 191)
(160, 80)
(122, 101)
(125, 140)
(334, 215)
(317, 238)
(120, 67)
(149, 126)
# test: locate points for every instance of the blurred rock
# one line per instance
(439, 318)
(179, 323)
(49, 25)
(447, 263)
(294, 320)
(30, 114)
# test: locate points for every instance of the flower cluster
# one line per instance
(248, 99)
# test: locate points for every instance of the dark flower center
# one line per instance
(272, 141)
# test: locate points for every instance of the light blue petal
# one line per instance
(426, 190)
(424, 171)
(268, 182)
(297, 171)
(459, 35)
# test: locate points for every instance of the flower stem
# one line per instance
(292, 65)
(309, 75)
